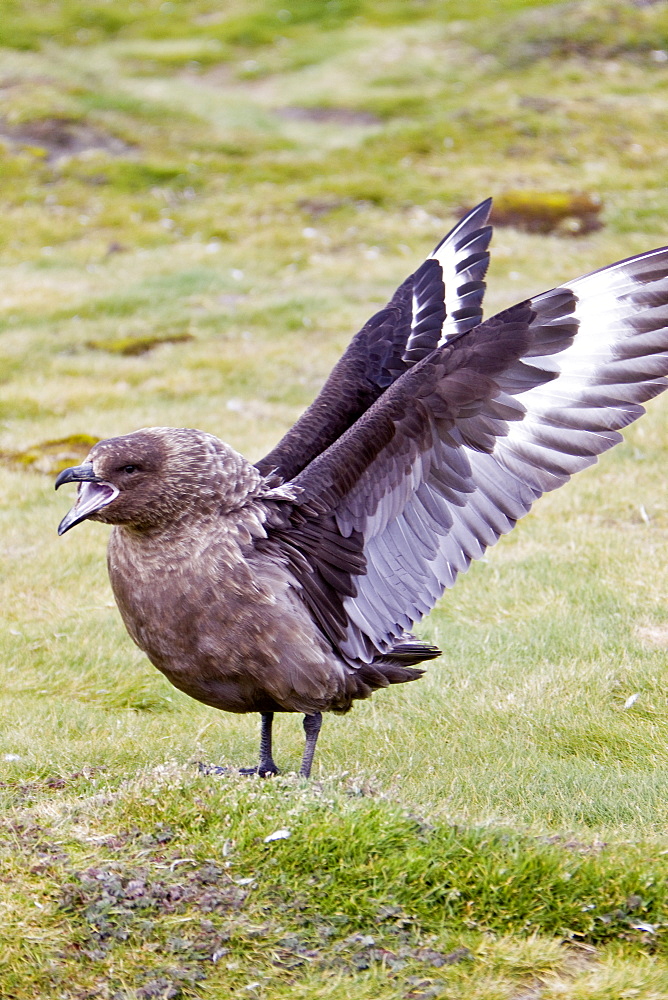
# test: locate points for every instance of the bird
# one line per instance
(294, 584)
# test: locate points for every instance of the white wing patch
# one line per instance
(463, 258)
(603, 343)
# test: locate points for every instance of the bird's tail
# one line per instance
(397, 665)
(410, 650)
(393, 667)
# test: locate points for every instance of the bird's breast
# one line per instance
(228, 627)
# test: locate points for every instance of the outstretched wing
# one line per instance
(442, 298)
(464, 442)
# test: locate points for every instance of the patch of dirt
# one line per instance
(571, 844)
(541, 105)
(54, 783)
(10, 82)
(577, 958)
(359, 952)
(112, 905)
(63, 137)
(316, 207)
(51, 457)
(327, 116)
(423, 989)
(207, 919)
(32, 842)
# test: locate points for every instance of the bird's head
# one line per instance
(154, 477)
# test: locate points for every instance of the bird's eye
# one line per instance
(129, 468)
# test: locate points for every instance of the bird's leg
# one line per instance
(312, 724)
(266, 767)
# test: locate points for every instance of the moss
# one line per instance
(51, 457)
(33, 99)
(63, 137)
(396, 105)
(133, 346)
(193, 54)
(136, 176)
(548, 211)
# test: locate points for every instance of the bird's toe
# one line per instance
(267, 769)
(212, 768)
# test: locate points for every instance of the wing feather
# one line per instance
(464, 442)
(442, 298)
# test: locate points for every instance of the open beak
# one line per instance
(93, 494)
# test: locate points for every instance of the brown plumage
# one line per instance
(293, 585)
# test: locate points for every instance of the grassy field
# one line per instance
(201, 202)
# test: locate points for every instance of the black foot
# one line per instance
(267, 770)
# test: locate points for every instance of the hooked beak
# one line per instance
(93, 494)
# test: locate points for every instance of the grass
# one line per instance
(233, 193)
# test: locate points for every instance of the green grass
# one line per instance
(353, 891)
(259, 182)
